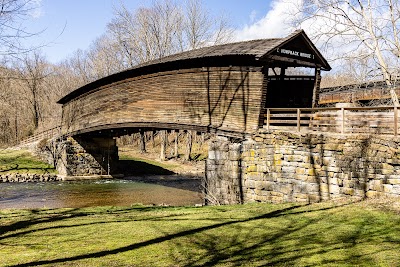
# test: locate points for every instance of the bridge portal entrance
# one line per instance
(290, 92)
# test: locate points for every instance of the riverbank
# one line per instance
(175, 165)
(362, 233)
(20, 161)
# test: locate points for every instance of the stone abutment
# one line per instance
(82, 156)
(288, 167)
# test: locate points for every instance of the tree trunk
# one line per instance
(142, 140)
(163, 145)
(176, 144)
(189, 142)
(153, 143)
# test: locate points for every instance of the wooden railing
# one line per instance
(42, 135)
(346, 120)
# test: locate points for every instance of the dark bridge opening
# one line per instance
(99, 152)
(290, 92)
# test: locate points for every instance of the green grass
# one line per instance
(246, 235)
(22, 161)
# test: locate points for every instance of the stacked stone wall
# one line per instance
(27, 177)
(81, 156)
(223, 173)
(281, 167)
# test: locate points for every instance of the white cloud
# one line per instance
(273, 24)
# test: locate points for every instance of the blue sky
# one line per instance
(69, 25)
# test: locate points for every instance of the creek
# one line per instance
(174, 190)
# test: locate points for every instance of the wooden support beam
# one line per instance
(176, 135)
(298, 119)
(142, 141)
(316, 89)
(342, 128)
(395, 122)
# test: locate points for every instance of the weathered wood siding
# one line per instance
(222, 98)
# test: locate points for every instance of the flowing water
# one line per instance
(158, 190)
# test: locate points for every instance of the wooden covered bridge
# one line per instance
(223, 89)
(233, 90)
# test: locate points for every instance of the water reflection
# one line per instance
(168, 190)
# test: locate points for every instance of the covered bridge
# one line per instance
(223, 89)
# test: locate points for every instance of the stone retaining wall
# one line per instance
(80, 156)
(280, 167)
(26, 177)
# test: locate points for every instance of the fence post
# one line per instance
(342, 130)
(268, 118)
(395, 120)
(298, 120)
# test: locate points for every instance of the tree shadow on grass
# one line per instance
(242, 243)
(302, 241)
(13, 230)
(169, 237)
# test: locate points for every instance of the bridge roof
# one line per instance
(263, 50)
(258, 49)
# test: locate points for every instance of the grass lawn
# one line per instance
(353, 234)
(22, 161)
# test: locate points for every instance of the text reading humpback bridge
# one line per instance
(222, 89)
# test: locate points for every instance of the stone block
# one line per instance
(387, 171)
(394, 181)
(301, 177)
(251, 168)
(295, 158)
(314, 198)
(375, 185)
(300, 170)
(312, 187)
(387, 188)
(311, 172)
(285, 189)
(299, 188)
(324, 188)
(396, 189)
(234, 155)
(333, 180)
(306, 165)
(263, 168)
(288, 169)
(334, 189)
(333, 146)
(333, 169)
(249, 183)
(373, 194)
(348, 191)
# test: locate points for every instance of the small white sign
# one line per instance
(295, 53)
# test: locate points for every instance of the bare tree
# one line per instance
(148, 33)
(166, 28)
(12, 14)
(79, 64)
(201, 29)
(363, 29)
(32, 70)
(105, 58)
